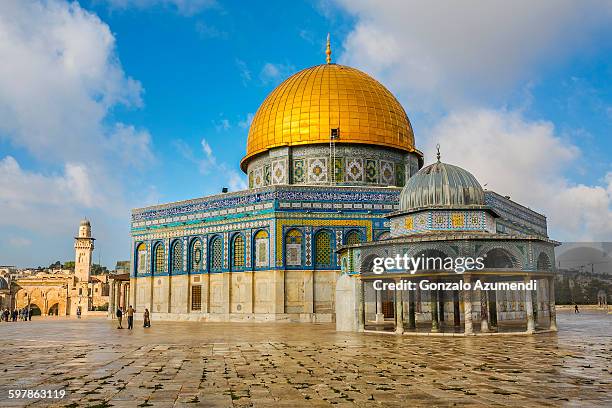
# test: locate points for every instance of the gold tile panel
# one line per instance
(304, 108)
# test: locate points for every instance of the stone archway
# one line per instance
(35, 310)
(53, 310)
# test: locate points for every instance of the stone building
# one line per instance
(444, 214)
(327, 154)
(63, 293)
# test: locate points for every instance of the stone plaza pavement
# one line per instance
(291, 365)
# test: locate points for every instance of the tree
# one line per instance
(69, 265)
(563, 293)
(98, 269)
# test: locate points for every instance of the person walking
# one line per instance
(29, 315)
(130, 316)
(119, 317)
(147, 318)
(576, 309)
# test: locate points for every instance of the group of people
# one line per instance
(24, 314)
(130, 317)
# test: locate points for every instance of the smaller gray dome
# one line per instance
(3, 283)
(85, 222)
(441, 185)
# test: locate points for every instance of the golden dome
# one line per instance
(305, 107)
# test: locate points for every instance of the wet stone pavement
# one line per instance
(241, 364)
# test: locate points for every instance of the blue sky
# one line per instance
(107, 105)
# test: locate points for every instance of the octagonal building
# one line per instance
(327, 155)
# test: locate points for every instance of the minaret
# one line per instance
(84, 246)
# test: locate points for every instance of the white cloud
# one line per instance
(59, 80)
(223, 124)
(245, 73)
(451, 60)
(207, 164)
(237, 181)
(19, 242)
(456, 52)
(246, 122)
(131, 146)
(207, 31)
(62, 78)
(28, 198)
(275, 73)
(531, 163)
(185, 7)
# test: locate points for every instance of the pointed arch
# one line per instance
(195, 255)
(294, 240)
(323, 248)
(353, 237)
(216, 254)
(543, 263)
(141, 259)
(176, 255)
(261, 247)
(499, 258)
(238, 252)
(159, 259)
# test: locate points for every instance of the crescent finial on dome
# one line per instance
(438, 154)
(328, 50)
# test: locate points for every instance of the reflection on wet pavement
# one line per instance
(243, 364)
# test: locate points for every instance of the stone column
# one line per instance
(484, 311)
(111, 299)
(529, 308)
(122, 294)
(360, 306)
(120, 299)
(433, 306)
(456, 309)
(133, 290)
(411, 310)
(380, 317)
(551, 303)
(467, 308)
(399, 310)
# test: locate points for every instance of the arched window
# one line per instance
(352, 238)
(367, 264)
(498, 258)
(216, 254)
(323, 249)
(543, 262)
(293, 248)
(261, 248)
(196, 255)
(177, 256)
(238, 252)
(160, 259)
(141, 258)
